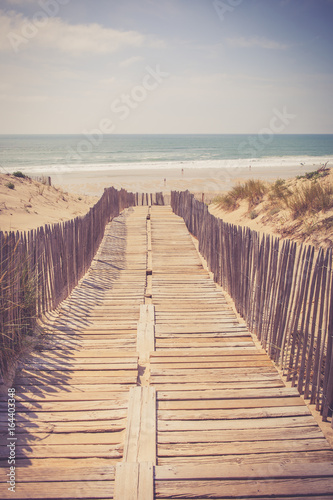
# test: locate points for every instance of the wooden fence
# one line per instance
(144, 199)
(39, 268)
(283, 291)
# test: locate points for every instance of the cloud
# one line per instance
(130, 61)
(22, 2)
(92, 38)
(107, 81)
(53, 33)
(23, 98)
(260, 42)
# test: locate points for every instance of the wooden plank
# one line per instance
(65, 406)
(77, 438)
(269, 471)
(81, 352)
(133, 425)
(313, 497)
(238, 393)
(166, 343)
(114, 389)
(81, 379)
(243, 488)
(64, 451)
(65, 469)
(222, 436)
(238, 413)
(203, 352)
(158, 361)
(134, 481)
(241, 448)
(213, 404)
(145, 337)
(62, 490)
(100, 393)
(68, 416)
(140, 440)
(218, 373)
(105, 425)
(179, 386)
(218, 379)
(146, 481)
(202, 365)
(85, 365)
(147, 450)
(298, 457)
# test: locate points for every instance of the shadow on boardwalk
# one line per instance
(50, 380)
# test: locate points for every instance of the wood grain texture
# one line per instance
(227, 427)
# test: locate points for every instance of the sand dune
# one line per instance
(30, 204)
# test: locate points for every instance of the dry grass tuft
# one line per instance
(252, 190)
(18, 289)
(310, 198)
(279, 192)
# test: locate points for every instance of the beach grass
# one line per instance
(19, 175)
(300, 208)
(310, 198)
(279, 192)
(251, 190)
(18, 289)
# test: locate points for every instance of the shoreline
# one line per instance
(205, 180)
(31, 204)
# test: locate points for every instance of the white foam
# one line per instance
(306, 162)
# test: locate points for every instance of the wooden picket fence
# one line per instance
(145, 199)
(283, 290)
(39, 268)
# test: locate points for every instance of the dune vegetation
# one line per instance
(299, 208)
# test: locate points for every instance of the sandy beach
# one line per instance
(30, 204)
(208, 180)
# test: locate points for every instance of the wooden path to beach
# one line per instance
(146, 386)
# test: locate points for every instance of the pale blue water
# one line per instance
(47, 154)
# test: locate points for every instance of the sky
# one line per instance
(166, 66)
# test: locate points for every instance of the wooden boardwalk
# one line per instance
(147, 387)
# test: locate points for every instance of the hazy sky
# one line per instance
(166, 66)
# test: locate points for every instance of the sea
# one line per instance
(97, 155)
(43, 154)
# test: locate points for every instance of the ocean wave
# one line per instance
(273, 162)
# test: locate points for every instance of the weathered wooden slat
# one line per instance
(184, 386)
(229, 403)
(194, 365)
(234, 413)
(237, 424)
(222, 436)
(140, 440)
(64, 451)
(107, 425)
(245, 489)
(146, 332)
(134, 481)
(65, 406)
(299, 457)
(240, 448)
(70, 490)
(238, 393)
(269, 471)
(68, 416)
(34, 470)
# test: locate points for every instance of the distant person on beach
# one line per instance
(182, 171)
(164, 182)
